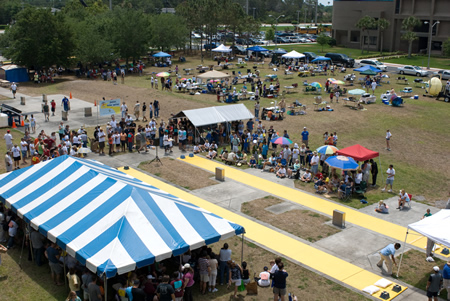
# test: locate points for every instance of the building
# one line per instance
(346, 14)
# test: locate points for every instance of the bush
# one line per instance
(332, 42)
(385, 54)
(446, 47)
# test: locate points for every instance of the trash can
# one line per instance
(87, 112)
(64, 115)
(220, 174)
(44, 97)
(22, 100)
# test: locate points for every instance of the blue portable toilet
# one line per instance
(14, 73)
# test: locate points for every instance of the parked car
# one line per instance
(341, 59)
(293, 39)
(443, 74)
(195, 35)
(309, 56)
(280, 40)
(305, 40)
(238, 49)
(374, 63)
(210, 46)
(412, 70)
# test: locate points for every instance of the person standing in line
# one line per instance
(389, 250)
(224, 257)
(94, 290)
(390, 178)
(213, 264)
(388, 138)
(8, 162)
(8, 140)
(279, 279)
(434, 284)
(16, 156)
(150, 109)
(101, 142)
(165, 291)
(446, 276)
(123, 110)
(374, 172)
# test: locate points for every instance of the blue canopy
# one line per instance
(257, 49)
(320, 58)
(161, 54)
(367, 67)
(342, 162)
(107, 220)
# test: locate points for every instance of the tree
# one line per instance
(409, 24)
(365, 24)
(323, 39)
(168, 31)
(270, 34)
(446, 47)
(38, 39)
(129, 32)
(383, 24)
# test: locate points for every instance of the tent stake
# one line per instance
(401, 256)
(242, 249)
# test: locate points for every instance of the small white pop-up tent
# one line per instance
(222, 48)
(435, 228)
(213, 75)
(293, 55)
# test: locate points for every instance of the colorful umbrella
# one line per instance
(281, 140)
(356, 92)
(337, 82)
(316, 84)
(183, 79)
(214, 81)
(331, 79)
(163, 74)
(327, 150)
(342, 162)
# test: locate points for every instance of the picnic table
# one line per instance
(289, 89)
(303, 73)
(188, 70)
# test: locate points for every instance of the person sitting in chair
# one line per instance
(306, 177)
(320, 186)
(341, 190)
(382, 207)
(404, 197)
(264, 278)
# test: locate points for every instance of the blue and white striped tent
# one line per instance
(107, 220)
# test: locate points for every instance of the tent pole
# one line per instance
(65, 274)
(23, 245)
(381, 168)
(401, 256)
(106, 287)
(242, 248)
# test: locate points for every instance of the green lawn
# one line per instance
(422, 60)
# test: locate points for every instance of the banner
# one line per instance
(109, 107)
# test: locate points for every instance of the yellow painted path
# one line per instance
(323, 262)
(353, 216)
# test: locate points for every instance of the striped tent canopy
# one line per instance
(107, 220)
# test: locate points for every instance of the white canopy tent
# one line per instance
(213, 75)
(222, 48)
(218, 114)
(435, 228)
(293, 55)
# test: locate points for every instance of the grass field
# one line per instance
(422, 60)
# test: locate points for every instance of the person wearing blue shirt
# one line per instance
(389, 250)
(279, 280)
(250, 125)
(446, 276)
(305, 135)
(265, 150)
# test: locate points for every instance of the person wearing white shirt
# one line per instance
(8, 164)
(12, 231)
(123, 110)
(24, 148)
(264, 278)
(281, 173)
(224, 257)
(388, 138)
(403, 199)
(314, 163)
(75, 141)
(101, 141)
(8, 140)
(359, 177)
(306, 177)
(113, 123)
(390, 178)
(16, 155)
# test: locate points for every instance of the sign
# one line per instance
(109, 107)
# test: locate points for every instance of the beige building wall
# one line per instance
(346, 14)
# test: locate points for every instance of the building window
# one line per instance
(372, 40)
(354, 36)
(397, 6)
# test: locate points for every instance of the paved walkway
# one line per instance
(339, 269)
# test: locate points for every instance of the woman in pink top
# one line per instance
(188, 282)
